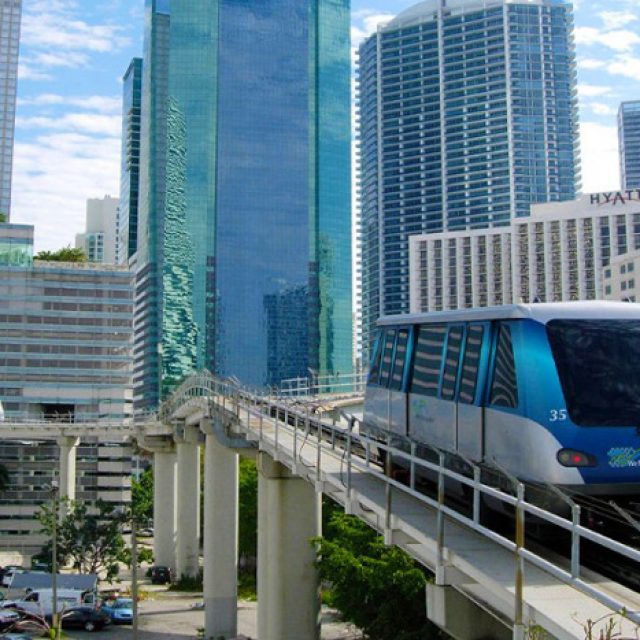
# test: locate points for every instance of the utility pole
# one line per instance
(134, 575)
(54, 560)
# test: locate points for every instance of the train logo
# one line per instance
(624, 457)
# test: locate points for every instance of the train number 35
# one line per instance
(557, 415)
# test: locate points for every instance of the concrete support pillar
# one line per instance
(220, 540)
(67, 446)
(164, 508)
(289, 515)
(188, 539)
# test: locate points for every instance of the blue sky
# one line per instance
(74, 52)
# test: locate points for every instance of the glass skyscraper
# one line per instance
(629, 144)
(244, 247)
(10, 12)
(468, 115)
(130, 161)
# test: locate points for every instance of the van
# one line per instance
(40, 602)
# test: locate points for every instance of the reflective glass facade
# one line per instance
(10, 13)
(629, 144)
(130, 161)
(256, 225)
(468, 115)
(16, 245)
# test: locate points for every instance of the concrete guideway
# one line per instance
(473, 563)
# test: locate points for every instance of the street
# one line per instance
(169, 615)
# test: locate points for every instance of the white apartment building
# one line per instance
(560, 252)
(100, 239)
(621, 279)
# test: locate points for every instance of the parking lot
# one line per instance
(169, 615)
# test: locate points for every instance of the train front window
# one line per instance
(598, 364)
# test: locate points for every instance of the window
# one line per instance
(623, 268)
(385, 367)
(398, 365)
(452, 362)
(607, 273)
(504, 389)
(623, 286)
(630, 267)
(375, 361)
(471, 364)
(427, 361)
(597, 364)
(632, 283)
(607, 290)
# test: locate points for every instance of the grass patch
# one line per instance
(247, 587)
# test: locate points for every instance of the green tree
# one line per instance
(378, 588)
(248, 508)
(3, 216)
(142, 497)
(66, 254)
(88, 536)
(4, 477)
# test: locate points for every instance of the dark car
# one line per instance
(86, 618)
(161, 575)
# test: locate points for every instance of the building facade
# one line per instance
(100, 239)
(629, 144)
(10, 15)
(66, 353)
(127, 232)
(468, 115)
(621, 278)
(562, 252)
(245, 202)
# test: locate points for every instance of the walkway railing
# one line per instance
(358, 450)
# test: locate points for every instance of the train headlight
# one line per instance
(573, 458)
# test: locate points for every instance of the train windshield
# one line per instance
(598, 363)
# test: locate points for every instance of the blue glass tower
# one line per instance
(252, 237)
(130, 161)
(468, 115)
(629, 144)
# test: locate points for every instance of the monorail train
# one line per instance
(550, 391)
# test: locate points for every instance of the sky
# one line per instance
(74, 52)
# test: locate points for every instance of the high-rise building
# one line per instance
(127, 234)
(245, 203)
(100, 239)
(10, 13)
(583, 249)
(629, 144)
(468, 115)
(66, 353)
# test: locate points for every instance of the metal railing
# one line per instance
(331, 436)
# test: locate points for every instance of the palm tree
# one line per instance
(4, 477)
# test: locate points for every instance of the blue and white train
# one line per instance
(551, 391)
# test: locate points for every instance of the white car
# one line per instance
(10, 571)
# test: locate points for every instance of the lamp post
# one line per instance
(54, 559)
(134, 575)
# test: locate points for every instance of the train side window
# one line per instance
(471, 364)
(427, 360)
(374, 371)
(387, 353)
(452, 363)
(398, 365)
(504, 386)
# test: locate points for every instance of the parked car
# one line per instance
(9, 572)
(119, 610)
(161, 575)
(8, 618)
(86, 618)
(40, 602)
